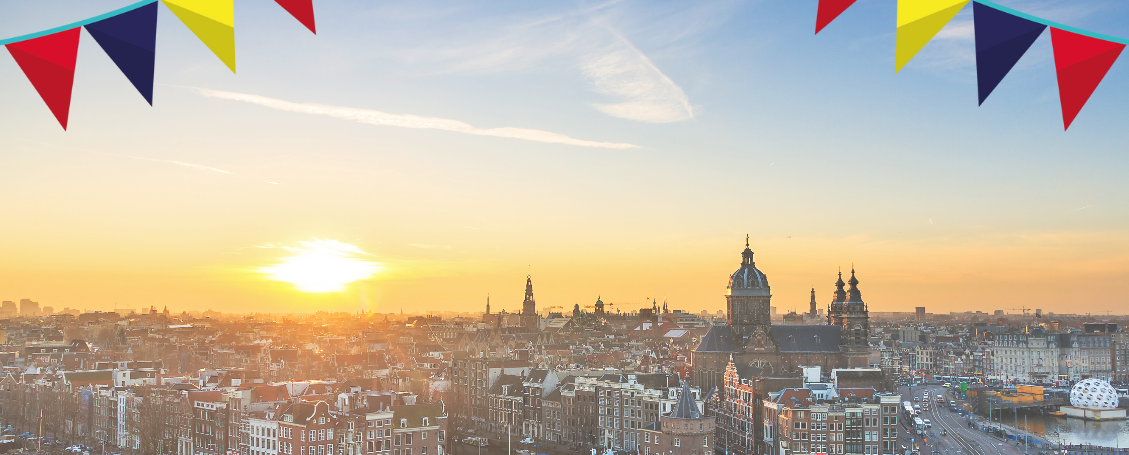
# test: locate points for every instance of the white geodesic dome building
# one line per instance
(1093, 394)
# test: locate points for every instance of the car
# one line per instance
(927, 423)
(953, 404)
(24, 434)
(526, 441)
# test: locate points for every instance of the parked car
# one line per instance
(526, 441)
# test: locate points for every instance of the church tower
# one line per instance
(854, 319)
(529, 308)
(838, 303)
(813, 312)
(749, 297)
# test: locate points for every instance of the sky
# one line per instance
(442, 151)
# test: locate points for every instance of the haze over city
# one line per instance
(618, 149)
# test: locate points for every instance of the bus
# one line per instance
(919, 425)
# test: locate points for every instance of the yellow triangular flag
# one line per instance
(213, 21)
(918, 22)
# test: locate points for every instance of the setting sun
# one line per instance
(322, 266)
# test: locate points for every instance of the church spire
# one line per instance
(813, 311)
(855, 296)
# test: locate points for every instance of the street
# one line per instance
(960, 439)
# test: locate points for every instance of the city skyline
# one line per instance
(616, 149)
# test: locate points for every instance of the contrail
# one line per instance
(409, 121)
(1080, 208)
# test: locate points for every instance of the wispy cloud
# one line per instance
(199, 167)
(372, 117)
(645, 93)
(194, 166)
(1081, 208)
(590, 41)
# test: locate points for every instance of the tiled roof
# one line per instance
(807, 338)
(718, 339)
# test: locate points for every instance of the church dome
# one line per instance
(748, 280)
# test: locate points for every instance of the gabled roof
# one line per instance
(807, 338)
(718, 339)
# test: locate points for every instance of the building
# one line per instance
(760, 349)
(419, 429)
(530, 320)
(306, 428)
(919, 313)
(1119, 355)
(1028, 356)
(262, 436)
(8, 309)
(856, 422)
(29, 308)
(684, 431)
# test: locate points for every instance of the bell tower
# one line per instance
(529, 317)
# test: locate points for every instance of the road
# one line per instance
(960, 439)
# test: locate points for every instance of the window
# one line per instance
(677, 443)
(425, 422)
(396, 440)
(423, 435)
(408, 439)
(403, 423)
(441, 435)
(423, 450)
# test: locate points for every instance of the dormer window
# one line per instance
(425, 421)
(403, 423)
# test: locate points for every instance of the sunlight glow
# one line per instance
(322, 266)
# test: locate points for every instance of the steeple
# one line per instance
(686, 408)
(854, 295)
(529, 317)
(487, 303)
(665, 309)
(813, 311)
(840, 294)
(747, 255)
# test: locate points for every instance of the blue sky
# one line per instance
(710, 120)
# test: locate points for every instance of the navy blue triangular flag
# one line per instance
(1001, 39)
(130, 40)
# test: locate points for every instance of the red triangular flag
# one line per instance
(48, 62)
(303, 10)
(1081, 63)
(828, 11)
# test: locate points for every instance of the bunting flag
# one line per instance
(1081, 62)
(1001, 39)
(213, 21)
(828, 11)
(48, 62)
(1003, 36)
(303, 10)
(918, 22)
(130, 39)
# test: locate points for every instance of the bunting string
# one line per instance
(128, 36)
(1082, 58)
